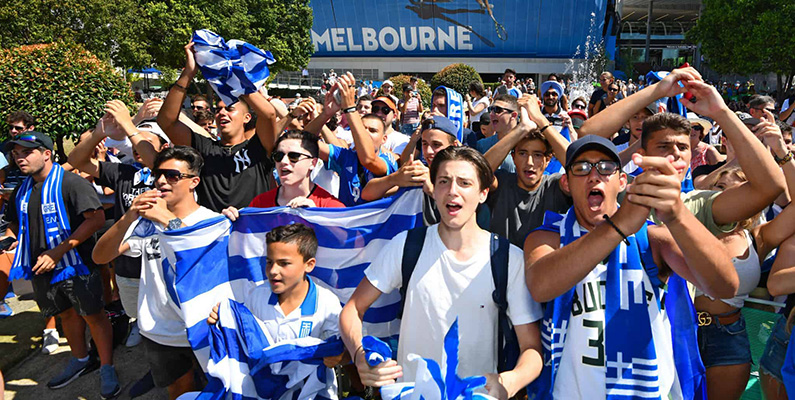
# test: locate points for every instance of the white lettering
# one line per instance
(463, 38)
(447, 37)
(370, 42)
(404, 41)
(427, 36)
(337, 40)
(382, 39)
(323, 39)
(351, 44)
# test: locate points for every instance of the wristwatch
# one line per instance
(173, 224)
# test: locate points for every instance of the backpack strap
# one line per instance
(507, 342)
(415, 239)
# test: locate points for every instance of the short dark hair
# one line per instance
(553, 75)
(477, 87)
(366, 97)
(375, 117)
(309, 141)
(785, 127)
(299, 234)
(660, 121)
(407, 87)
(536, 135)
(509, 71)
(468, 154)
(508, 98)
(199, 97)
(23, 116)
(440, 91)
(188, 154)
(759, 101)
(203, 115)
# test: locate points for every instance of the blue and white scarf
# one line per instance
(455, 111)
(143, 175)
(233, 68)
(626, 310)
(56, 229)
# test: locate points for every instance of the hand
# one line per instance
(118, 110)
(525, 122)
(190, 61)
(231, 212)
(381, 375)
(99, 129)
(669, 86)
(708, 101)
(213, 318)
(10, 248)
(158, 212)
(148, 110)
(531, 105)
(412, 173)
(770, 134)
(102, 151)
(144, 201)
(659, 186)
(347, 87)
(468, 98)
(46, 261)
(495, 387)
(304, 108)
(566, 120)
(301, 201)
(109, 128)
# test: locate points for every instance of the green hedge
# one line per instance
(62, 85)
(456, 76)
(422, 87)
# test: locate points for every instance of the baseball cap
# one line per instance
(441, 123)
(591, 142)
(386, 100)
(388, 82)
(151, 126)
(554, 85)
(578, 118)
(747, 118)
(696, 120)
(31, 139)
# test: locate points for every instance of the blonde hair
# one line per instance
(738, 173)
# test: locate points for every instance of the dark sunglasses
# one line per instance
(583, 168)
(698, 128)
(293, 156)
(384, 110)
(772, 110)
(17, 127)
(172, 175)
(613, 89)
(198, 107)
(499, 110)
(551, 94)
(578, 106)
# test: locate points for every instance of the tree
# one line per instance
(62, 85)
(456, 77)
(748, 37)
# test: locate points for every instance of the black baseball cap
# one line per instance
(30, 139)
(591, 142)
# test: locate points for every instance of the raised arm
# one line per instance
(168, 117)
(266, 119)
(558, 143)
(121, 116)
(365, 148)
(411, 174)
(782, 277)
(80, 156)
(497, 153)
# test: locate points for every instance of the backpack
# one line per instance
(508, 344)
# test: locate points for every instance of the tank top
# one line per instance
(749, 272)
(699, 158)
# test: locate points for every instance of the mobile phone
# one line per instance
(337, 96)
(6, 243)
(752, 121)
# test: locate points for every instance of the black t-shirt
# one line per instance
(232, 175)
(600, 94)
(78, 197)
(127, 183)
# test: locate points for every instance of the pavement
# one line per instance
(26, 370)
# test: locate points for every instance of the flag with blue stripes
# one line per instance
(216, 259)
(233, 68)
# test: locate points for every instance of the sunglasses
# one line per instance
(198, 107)
(499, 110)
(293, 156)
(17, 127)
(551, 94)
(578, 106)
(583, 168)
(172, 175)
(698, 128)
(772, 110)
(613, 90)
(384, 110)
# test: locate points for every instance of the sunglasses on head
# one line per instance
(583, 168)
(499, 110)
(293, 156)
(172, 175)
(384, 109)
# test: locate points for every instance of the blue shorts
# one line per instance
(724, 344)
(775, 350)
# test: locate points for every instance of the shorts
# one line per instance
(724, 344)
(128, 294)
(408, 129)
(167, 363)
(83, 292)
(775, 350)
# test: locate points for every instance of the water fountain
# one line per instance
(586, 64)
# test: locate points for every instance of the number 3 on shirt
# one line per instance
(598, 343)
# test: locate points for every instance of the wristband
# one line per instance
(178, 86)
(349, 110)
(135, 132)
(544, 128)
(609, 221)
(782, 161)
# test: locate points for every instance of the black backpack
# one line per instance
(508, 344)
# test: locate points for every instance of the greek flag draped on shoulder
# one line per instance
(234, 68)
(630, 352)
(430, 383)
(217, 259)
(455, 111)
(56, 228)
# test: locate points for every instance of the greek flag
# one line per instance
(216, 259)
(233, 68)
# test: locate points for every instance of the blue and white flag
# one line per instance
(233, 68)
(216, 259)
(455, 111)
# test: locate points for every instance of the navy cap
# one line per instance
(441, 123)
(591, 142)
(30, 139)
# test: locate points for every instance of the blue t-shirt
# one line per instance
(346, 164)
(483, 145)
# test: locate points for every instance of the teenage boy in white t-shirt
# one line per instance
(452, 279)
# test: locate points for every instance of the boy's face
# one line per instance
(293, 173)
(174, 190)
(531, 161)
(667, 142)
(504, 120)
(636, 123)
(376, 131)
(434, 141)
(457, 193)
(594, 194)
(285, 267)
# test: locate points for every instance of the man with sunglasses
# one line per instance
(504, 113)
(385, 109)
(605, 309)
(18, 123)
(171, 206)
(759, 103)
(605, 80)
(238, 167)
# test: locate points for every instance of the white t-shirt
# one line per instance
(582, 372)
(482, 100)
(630, 166)
(318, 316)
(124, 146)
(442, 289)
(159, 318)
(396, 142)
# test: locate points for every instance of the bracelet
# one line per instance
(544, 128)
(609, 221)
(178, 86)
(349, 110)
(782, 161)
(133, 134)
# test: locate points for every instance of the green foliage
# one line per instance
(457, 77)
(62, 85)
(400, 80)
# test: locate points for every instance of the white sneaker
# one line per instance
(134, 338)
(50, 341)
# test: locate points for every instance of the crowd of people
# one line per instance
(605, 205)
